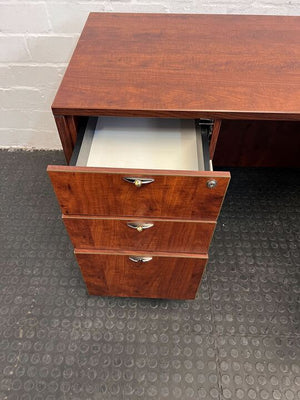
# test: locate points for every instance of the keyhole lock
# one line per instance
(212, 183)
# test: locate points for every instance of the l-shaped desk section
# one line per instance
(139, 112)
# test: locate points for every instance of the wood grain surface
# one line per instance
(114, 234)
(258, 144)
(214, 138)
(67, 129)
(184, 66)
(162, 277)
(173, 194)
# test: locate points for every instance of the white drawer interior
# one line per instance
(142, 143)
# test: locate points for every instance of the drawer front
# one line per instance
(161, 277)
(172, 194)
(147, 235)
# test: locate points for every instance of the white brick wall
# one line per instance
(37, 38)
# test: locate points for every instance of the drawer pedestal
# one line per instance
(140, 232)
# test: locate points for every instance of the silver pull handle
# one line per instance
(140, 259)
(139, 227)
(138, 182)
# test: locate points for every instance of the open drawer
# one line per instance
(140, 167)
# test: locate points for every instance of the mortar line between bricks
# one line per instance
(39, 35)
(33, 64)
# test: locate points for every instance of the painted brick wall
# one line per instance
(37, 38)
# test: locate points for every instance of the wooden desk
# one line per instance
(169, 66)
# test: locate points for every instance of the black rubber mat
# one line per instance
(239, 339)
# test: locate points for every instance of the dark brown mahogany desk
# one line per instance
(145, 231)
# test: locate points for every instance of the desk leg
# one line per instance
(67, 129)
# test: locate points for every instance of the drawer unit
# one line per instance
(155, 275)
(140, 201)
(149, 235)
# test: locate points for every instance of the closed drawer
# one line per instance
(144, 235)
(187, 192)
(160, 277)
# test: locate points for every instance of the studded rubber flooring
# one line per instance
(239, 339)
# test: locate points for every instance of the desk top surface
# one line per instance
(189, 66)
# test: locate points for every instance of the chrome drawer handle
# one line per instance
(139, 227)
(138, 182)
(141, 259)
